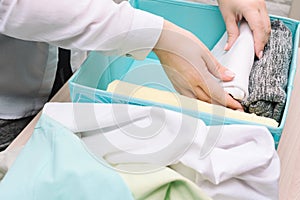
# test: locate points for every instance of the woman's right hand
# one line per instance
(191, 67)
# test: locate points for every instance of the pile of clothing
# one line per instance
(134, 152)
(260, 84)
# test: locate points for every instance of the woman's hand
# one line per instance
(255, 13)
(192, 68)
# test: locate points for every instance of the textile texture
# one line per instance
(269, 75)
(10, 129)
(55, 165)
(239, 59)
(142, 139)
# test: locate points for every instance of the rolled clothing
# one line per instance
(152, 96)
(269, 75)
(239, 59)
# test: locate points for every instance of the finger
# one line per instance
(259, 23)
(224, 99)
(218, 70)
(187, 93)
(233, 104)
(267, 31)
(232, 31)
(210, 89)
(201, 94)
(219, 97)
(241, 110)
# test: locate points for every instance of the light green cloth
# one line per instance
(165, 184)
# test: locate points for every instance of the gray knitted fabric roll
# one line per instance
(269, 75)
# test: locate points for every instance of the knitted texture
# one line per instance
(269, 75)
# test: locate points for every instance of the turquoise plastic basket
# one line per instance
(89, 83)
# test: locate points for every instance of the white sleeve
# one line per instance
(100, 25)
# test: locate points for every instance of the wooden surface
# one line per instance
(289, 146)
(288, 150)
(294, 11)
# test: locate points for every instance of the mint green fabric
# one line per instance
(164, 184)
(55, 165)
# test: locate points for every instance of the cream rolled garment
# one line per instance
(154, 96)
(239, 59)
(228, 162)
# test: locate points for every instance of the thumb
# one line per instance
(218, 70)
(232, 31)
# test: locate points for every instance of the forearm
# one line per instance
(81, 24)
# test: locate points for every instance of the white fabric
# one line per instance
(28, 63)
(228, 162)
(239, 59)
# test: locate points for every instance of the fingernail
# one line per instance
(229, 73)
(226, 47)
(260, 55)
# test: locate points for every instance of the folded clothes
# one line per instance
(70, 167)
(239, 59)
(180, 101)
(164, 183)
(269, 75)
(222, 161)
(55, 165)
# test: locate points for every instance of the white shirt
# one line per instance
(28, 63)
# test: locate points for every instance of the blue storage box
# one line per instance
(90, 82)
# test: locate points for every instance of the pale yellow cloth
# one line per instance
(164, 184)
(173, 99)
